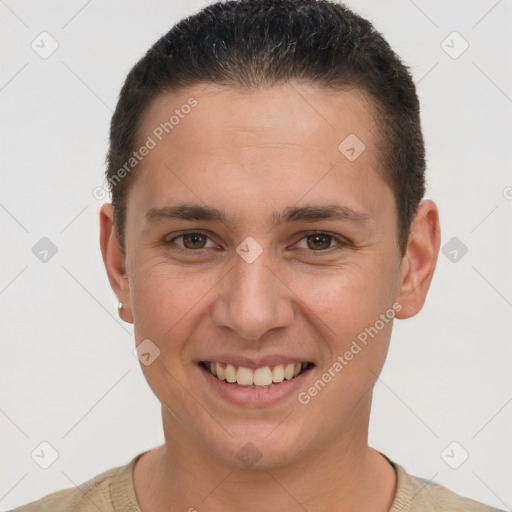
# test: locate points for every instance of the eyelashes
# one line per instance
(192, 237)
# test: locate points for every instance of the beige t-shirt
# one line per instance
(113, 491)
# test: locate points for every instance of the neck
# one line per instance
(341, 475)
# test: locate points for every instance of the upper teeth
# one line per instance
(263, 376)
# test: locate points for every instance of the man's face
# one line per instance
(252, 292)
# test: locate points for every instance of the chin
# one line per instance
(258, 448)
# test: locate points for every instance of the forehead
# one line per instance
(289, 112)
(217, 143)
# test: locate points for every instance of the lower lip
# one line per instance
(255, 397)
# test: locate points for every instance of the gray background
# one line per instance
(68, 375)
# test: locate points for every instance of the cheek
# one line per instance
(345, 299)
(166, 302)
(347, 306)
(167, 307)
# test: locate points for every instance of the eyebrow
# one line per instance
(309, 213)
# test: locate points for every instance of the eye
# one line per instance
(192, 241)
(319, 242)
(196, 241)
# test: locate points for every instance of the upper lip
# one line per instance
(255, 362)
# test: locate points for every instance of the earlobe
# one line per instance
(420, 260)
(114, 261)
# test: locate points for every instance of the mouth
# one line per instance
(257, 378)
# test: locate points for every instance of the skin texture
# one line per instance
(250, 153)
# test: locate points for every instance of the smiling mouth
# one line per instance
(259, 378)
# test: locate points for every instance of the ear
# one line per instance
(420, 260)
(114, 261)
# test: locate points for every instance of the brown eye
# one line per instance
(322, 243)
(191, 242)
(319, 241)
(194, 240)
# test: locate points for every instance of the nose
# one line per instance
(252, 300)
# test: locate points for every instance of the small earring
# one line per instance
(119, 308)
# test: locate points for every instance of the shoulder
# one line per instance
(109, 491)
(415, 494)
